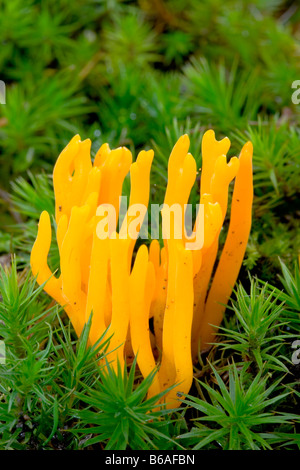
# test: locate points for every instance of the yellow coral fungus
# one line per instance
(169, 287)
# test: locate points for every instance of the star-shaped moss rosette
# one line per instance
(171, 284)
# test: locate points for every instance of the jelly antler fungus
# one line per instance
(234, 249)
(142, 284)
(171, 284)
